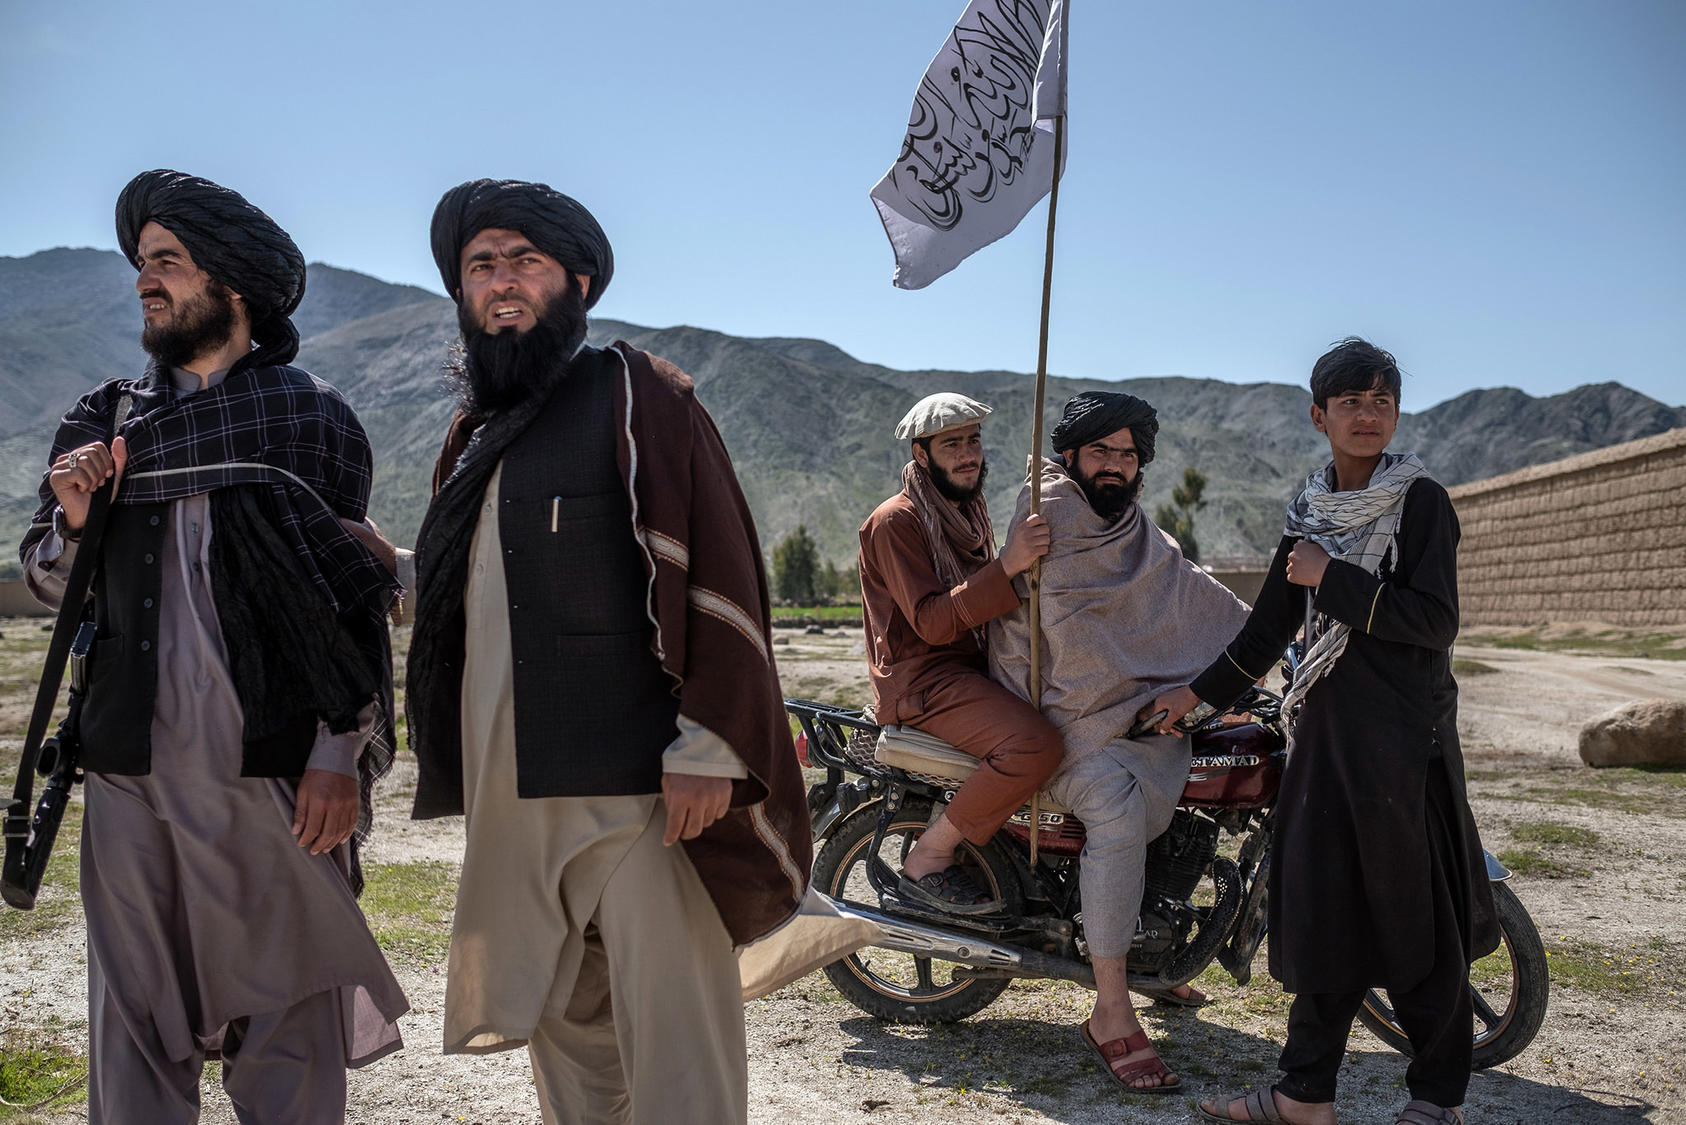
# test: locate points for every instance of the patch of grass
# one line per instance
(60, 896)
(409, 907)
(1491, 969)
(792, 615)
(1535, 863)
(1596, 642)
(1651, 790)
(1545, 832)
(37, 1076)
(1472, 668)
(1616, 971)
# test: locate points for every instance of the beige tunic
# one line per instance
(534, 869)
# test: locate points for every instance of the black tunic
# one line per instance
(1352, 868)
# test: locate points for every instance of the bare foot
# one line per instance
(1293, 1112)
(922, 861)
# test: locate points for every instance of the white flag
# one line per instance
(979, 150)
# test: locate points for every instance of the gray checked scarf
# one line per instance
(1355, 527)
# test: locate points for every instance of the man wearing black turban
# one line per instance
(590, 682)
(239, 697)
(1123, 615)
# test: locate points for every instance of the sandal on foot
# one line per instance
(1260, 1106)
(1419, 1112)
(1114, 1049)
(950, 890)
(1168, 996)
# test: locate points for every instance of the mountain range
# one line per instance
(810, 428)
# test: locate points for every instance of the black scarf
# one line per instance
(432, 679)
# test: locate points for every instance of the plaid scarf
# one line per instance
(961, 539)
(1356, 527)
(299, 449)
(274, 426)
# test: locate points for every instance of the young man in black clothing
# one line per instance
(1377, 875)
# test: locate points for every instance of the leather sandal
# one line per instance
(1114, 1049)
(1195, 998)
(1419, 1112)
(950, 890)
(1259, 1105)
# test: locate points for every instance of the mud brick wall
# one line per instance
(1597, 537)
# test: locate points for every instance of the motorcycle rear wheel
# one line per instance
(901, 986)
(1502, 1031)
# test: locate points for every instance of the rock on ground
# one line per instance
(1648, 732)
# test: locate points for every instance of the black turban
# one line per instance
(229, 239)
(555, 223)
(1093, 415)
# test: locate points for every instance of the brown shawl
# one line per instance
(708, 601)
(961, 539)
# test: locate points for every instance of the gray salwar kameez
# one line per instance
(209, 928)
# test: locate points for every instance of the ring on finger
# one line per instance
(70, 461)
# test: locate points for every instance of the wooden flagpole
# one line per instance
(1035, 581)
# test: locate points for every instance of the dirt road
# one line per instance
(1599, 856)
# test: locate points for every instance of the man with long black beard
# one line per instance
(590, 683)
(239, 705)
(1124, 614)
(930, 581)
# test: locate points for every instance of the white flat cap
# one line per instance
(936, 413)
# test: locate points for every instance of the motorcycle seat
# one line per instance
(930, 759)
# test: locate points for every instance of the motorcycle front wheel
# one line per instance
(1508, 987)
(901, 986)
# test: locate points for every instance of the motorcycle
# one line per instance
(1205, 895)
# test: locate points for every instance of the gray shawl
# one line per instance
(1124, 616)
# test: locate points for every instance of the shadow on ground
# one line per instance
(1046, 1068)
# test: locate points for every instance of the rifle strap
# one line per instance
(64, 632)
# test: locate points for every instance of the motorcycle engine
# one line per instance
(1177, 860)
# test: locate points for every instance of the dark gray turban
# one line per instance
(1093, 415)
(554, 223)
(229, 239)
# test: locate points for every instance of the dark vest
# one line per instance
(593, 708)
(123, 677)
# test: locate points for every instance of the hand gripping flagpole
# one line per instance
(1035, 580)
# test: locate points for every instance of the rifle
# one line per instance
(29, 839)
(29, 842)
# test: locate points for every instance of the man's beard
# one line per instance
(953, 492)
(198, 325)
(1110, 497)
(497, 371)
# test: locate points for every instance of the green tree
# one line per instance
(796, 568)
(1177, 517)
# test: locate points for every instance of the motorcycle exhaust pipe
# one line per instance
(991, 959)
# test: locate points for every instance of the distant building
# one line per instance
(1600, 537)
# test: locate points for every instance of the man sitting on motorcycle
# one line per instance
(1124, 615)
(929, 582)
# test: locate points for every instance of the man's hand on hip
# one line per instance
(325, 814)
(693, 803)
(368, 534)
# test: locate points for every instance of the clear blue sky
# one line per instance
(1495, 189)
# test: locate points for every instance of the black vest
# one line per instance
(116, 719)
(593, 708)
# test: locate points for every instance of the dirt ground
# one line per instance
(1599, 858)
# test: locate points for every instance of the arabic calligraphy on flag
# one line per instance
(979, 149)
